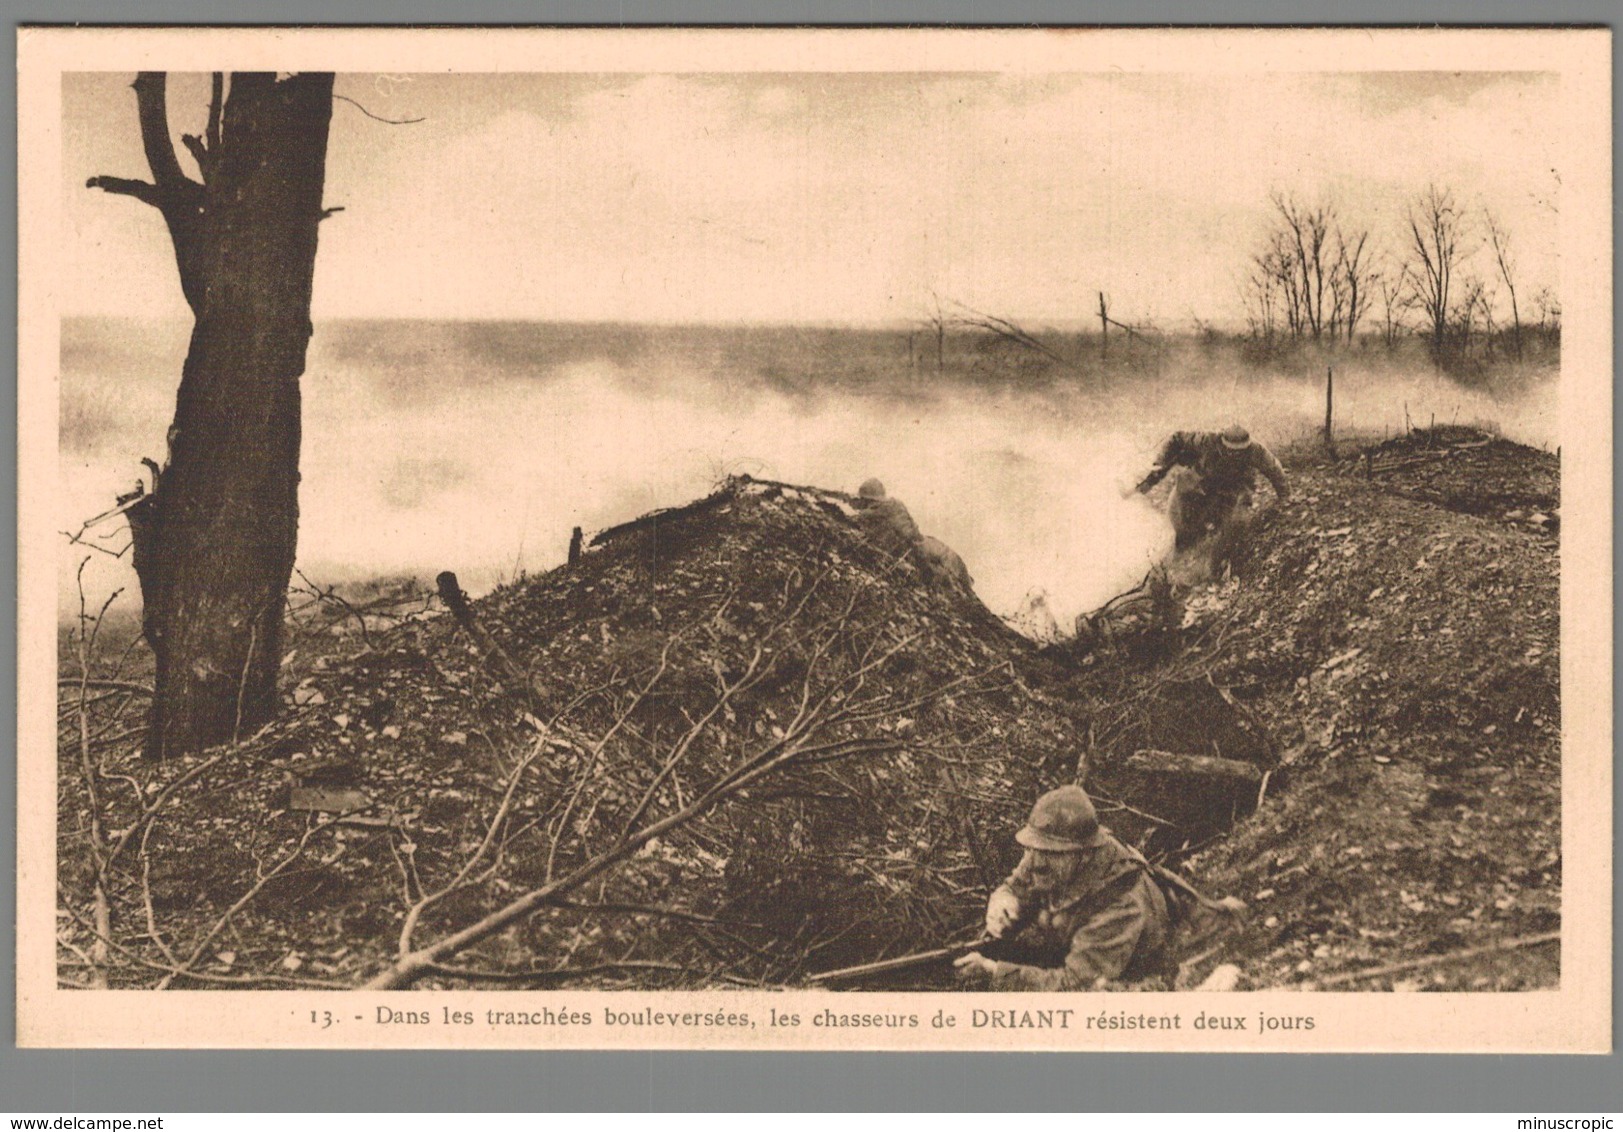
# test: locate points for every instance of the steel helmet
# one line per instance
(1062, 821)
(871, 489)
(1236, 438)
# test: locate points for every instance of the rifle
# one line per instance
(908, 962)
(1173, 886)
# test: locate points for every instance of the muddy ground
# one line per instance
(736, 744)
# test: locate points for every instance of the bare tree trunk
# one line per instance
(216, 543)
(1502, 256)
(1330, 410)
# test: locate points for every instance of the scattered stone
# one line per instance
(327, 799)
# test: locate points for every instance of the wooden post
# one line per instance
(1104, 328)
(457, 602)
(574, 546)
(1330, 409)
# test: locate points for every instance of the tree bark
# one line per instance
(216, 542)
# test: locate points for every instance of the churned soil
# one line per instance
(581, 708)
(842, 748)
(1400, 635)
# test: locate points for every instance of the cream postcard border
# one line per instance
(1575, 1018)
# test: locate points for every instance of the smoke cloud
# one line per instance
(443, 449)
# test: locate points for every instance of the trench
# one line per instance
(1189, 763)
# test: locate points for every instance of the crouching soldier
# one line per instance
(1215, 488)
(887, 523)
(1081, 908)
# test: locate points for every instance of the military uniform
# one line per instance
(1080, 907)
(888, 524)
(1221, 470)
(1109, 921)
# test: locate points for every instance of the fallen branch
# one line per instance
(157, 804)
(102, 910)
(414, 965)
(557, 974)
(104, 685)
(811, 731)
(656, 910)
(244, 981)
(1009, 331)
(248, 897)
(428, 899)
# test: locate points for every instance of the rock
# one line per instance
(327, 799)
(1225, 977)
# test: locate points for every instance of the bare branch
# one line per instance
(375, 117)
(171, 192)
(806, 738)
(125, 187)
(558, 974)
(200, 154)
(248, 897)
(152, 104)
(216, 100)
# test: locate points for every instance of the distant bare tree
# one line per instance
(1260, 291)
(1306, 232)
(1312, 277)
(1504, 259)
(1437, 233)
(1355, 275)
(1273, 288)
(1548, 308)
(1391, 285)
(1473, 308)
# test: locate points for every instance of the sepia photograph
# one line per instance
(845, 539)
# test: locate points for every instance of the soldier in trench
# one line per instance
(1213, 492)
(1079, 911)
(888, 524)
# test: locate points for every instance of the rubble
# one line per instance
(1373, 698)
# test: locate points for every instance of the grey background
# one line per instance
(64, 1082)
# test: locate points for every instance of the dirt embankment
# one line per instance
(735, 743)
(1400, 634)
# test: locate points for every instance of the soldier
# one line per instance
(1215, 488)
(884, 521)
(1081, 906)
(887, 524)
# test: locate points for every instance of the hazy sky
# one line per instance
(833, 197)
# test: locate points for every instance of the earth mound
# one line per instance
(1395, 639)
(737, 743)
(733, 742)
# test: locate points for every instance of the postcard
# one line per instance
(895, 539)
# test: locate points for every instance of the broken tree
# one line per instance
(215, 540)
